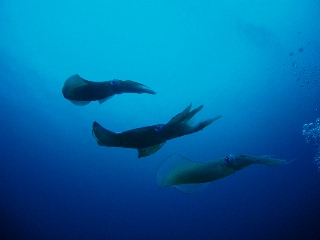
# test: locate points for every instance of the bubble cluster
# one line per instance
(306, 69)
(307, 76)
(316, 160)
(311, 132)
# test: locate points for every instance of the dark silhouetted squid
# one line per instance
(148, 140)
(81, 92)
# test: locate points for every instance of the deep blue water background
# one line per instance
(240, 59)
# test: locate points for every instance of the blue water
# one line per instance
(254, 62)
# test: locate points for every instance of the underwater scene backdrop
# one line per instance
(256, 63)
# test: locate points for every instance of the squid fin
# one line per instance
(79, 103)
(144, 152)
(75, 81)
(171, 167)
(192, 188)
(104, 137)
(105, 99)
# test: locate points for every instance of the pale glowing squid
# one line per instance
(191, 177)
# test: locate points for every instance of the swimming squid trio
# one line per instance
(175, 171)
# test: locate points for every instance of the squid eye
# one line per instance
(228, 160)
(113, 82)
(159, 127)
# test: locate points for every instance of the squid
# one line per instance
(192, 177)
(81, 92)
(148, 140)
